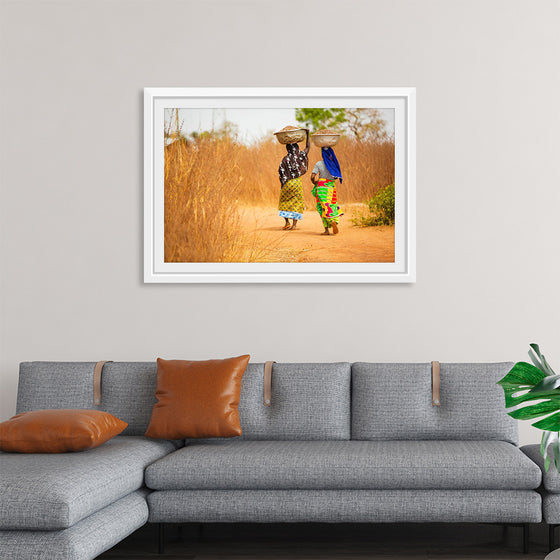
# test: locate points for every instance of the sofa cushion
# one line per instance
(309, 402)
(344, 465)
(197, 399)
(394, 401)
(128, 390)
(54, 491)
(45, 385)
(58, 430)
(85, 540)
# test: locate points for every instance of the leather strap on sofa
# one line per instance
(268, 383)
(97, 371)
(435, 383)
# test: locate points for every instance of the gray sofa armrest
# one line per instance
(550, 489)
(551, 479)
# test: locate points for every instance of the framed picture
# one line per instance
(279, 185)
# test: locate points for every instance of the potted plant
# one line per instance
(526, 383)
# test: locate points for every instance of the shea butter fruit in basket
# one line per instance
(325, 138)
(290, 135)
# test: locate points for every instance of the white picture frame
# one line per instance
(401, 99)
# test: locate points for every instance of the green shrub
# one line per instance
(381, 209)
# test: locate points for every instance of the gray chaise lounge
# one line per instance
(340, 443)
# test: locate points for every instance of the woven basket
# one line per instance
(291, 136)
(325, 140)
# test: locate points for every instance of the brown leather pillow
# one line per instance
(197, 399)
(58, 431)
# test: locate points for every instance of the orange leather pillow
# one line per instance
(197, 399)
(58, 431)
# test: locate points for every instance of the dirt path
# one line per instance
(306, 244)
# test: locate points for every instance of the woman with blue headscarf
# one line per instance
(324, 175)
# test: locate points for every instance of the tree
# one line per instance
(365, 124)
(362, 124)
(315, 119)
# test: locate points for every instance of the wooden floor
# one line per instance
(333, 542)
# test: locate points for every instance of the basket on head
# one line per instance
(325, 138)
(290, 135)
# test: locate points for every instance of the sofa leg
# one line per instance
(551, 544)
(161, 538)
(525, 538)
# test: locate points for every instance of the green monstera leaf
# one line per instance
(526, 383)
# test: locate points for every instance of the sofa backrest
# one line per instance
(394, 401)
(127, 389)
(309, 401)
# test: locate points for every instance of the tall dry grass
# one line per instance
(201, 193)
(366, 167)
(207, 182)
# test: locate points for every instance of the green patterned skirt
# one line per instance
(327, 202)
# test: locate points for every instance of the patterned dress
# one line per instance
(325, 194)
(291, 199)
(293, 166)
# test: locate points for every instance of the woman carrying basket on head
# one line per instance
(293, 166)
(324, 176)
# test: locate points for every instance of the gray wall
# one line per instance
(72, 74)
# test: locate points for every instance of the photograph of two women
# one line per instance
(301, 185)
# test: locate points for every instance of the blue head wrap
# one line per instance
(331, 163)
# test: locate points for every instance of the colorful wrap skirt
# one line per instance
(324, 192)
(291, 199)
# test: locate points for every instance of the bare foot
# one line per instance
(291, 228)
(325, 233)
(334, 228)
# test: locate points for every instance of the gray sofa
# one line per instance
(340, 443)
(550, 491)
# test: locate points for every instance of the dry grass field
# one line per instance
(216, 188)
